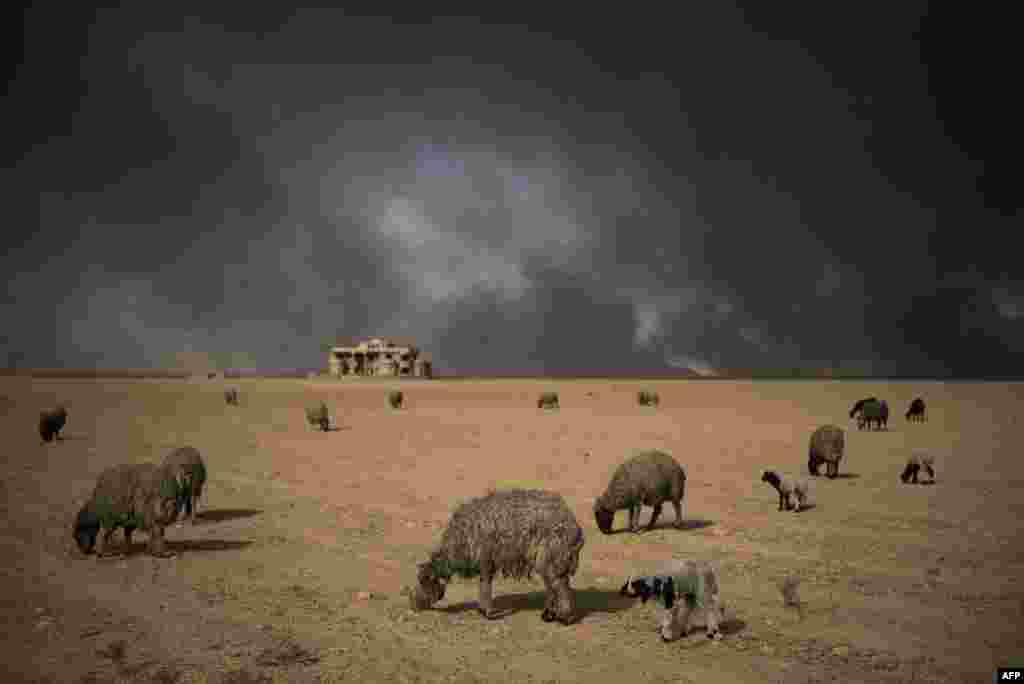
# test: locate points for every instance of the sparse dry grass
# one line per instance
(895, 582)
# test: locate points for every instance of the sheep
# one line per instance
(649, 478)
(915, 463)
(51, 422)
(697, 583)
(188, 462)
(876, 412)
(859, 406)
(827, 446)
(916, 412)
(319, 417)
(231, 396)
(645, 398)
(513, 533)
(133, 496)
(548, 400)
(788, 490)
(395, 398)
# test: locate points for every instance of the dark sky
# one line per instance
(722, 188)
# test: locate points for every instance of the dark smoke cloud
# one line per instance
(238, 195)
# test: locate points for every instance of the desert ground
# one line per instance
(306, 539)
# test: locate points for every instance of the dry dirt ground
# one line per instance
(306, 538)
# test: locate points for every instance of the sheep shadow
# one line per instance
(732, 626)
(180, 546)
(588, 602)
(807, 507)
(223, 514)
(839, 476)
(687, 525)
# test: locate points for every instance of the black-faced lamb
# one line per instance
(319, 417)
(793, 493)
(231, 396)
(189, 468)
(51, 422)
(132, 496)
(395, 399)
(915, 463)
(827, 446)
(647, 398)
(691, 593)
(512, 533)
(916, 411)
(650, 478)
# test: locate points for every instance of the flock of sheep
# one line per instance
(510, 533)
(515, 533)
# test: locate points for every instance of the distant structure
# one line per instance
(378, 356)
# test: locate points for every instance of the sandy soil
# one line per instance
(306, 538)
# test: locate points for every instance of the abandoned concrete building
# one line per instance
(378, 356)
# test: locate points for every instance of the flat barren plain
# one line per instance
(306, 539)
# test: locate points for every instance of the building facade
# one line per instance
(378, 356)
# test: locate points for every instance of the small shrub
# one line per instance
(646, 398)
(395, 398)
(548, 400)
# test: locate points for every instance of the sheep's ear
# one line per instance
(669, 593)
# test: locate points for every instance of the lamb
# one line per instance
(231, 396)
(697, 583)
(859, 406)
(649, 478)
(189, 463)
(319, 417)
(133, 496)
(874, 412)
(395, 398)
(548, 400)
(788, 490)
(827, 446)
(916, 412)
(513, 533)
(51, 422)
(915, 463)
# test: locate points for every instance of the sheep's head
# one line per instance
(429, 587)
(604, 517)
(87, 528)
(771, 477)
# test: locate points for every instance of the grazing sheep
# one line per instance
(915, 463)
(876, 412)
(188, 462)
(395, 398)
(859, 406)
(548, 400)
(645, 398)
(827, 446)
(916, 412)
(133, 496)
(319, 417)
(512, 533)
(789, 588)
(51, 422)
(649, 478)
(788, 490)
(231, 396)
(697, 583)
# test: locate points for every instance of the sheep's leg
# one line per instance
(486, 589)
(913, 475)
(634, 518)
(782, 499)
(565, 600)
(654, 516)
(157, 543)
(713, 611)
(678, 505)
(549, 613)
(128, 538)
(193, 503)
(103, 542)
